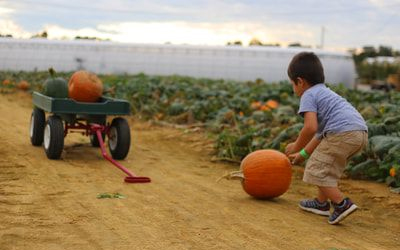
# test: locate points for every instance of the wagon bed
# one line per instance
(105, 106)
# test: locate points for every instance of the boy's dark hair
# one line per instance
(307, 66)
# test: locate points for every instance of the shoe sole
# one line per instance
(344, 214)
(315, 211)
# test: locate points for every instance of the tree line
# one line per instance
(371, 73)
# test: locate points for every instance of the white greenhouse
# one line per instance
(227, 62)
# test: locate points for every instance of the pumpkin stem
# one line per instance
(52, 72)
(109, 90)
(235, 175)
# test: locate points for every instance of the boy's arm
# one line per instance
(306, 134)
(298, 158)
(312, 145)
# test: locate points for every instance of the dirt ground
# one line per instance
(53, 204)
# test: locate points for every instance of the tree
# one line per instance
(297, 44)
(272, 44)
(385, 51)
(255, 42)
(374, 71)
(40, 35)
(369, 51)
(237, 43)
(91, 38)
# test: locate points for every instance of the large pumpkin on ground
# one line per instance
(85, 86)
(55, 86)
(23, 85)
(266, 173)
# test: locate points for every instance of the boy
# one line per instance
(333, 132)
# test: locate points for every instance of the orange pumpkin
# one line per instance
(7, 82)
(272, 104)
(256, 105)
(23, 85)
(265, 107)
(84, 86)
(266, 173)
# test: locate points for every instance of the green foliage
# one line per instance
(110, 196)
(288, 134)
(226, 109)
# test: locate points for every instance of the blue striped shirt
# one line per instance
(334, 113)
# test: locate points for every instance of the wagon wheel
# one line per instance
(119, 138)
(93, 137)
(54, 137)
(36, 131)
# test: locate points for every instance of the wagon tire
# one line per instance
(119, 138)
(53, 137)
(38, 121)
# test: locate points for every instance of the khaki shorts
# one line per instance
(329, 159)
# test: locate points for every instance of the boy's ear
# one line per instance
(301, 81)
(297, 80)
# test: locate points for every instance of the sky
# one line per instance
(334, 25)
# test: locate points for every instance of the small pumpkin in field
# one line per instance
(264, 174)
(272, 104)
(56, 87)
(6, 82)
(23, 85)
(256, 105)
(84, 86)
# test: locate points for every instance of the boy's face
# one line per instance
(299, 87)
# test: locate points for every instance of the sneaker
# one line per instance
(314, 206)
(341, 211)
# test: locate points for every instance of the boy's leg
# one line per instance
(331, 193)
(342, 206)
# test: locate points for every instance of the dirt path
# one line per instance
(48, 204)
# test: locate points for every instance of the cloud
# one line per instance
(9, 27)
(384, 4)
(214, 22)
(4, 11)
(199, 33)
(179, 32)
(58, 32)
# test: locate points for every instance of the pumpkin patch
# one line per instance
(232, 112)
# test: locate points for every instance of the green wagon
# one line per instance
(67, 115)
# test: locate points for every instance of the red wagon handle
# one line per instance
(131, 178)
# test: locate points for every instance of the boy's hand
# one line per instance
(289, 149)
(296, 158)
